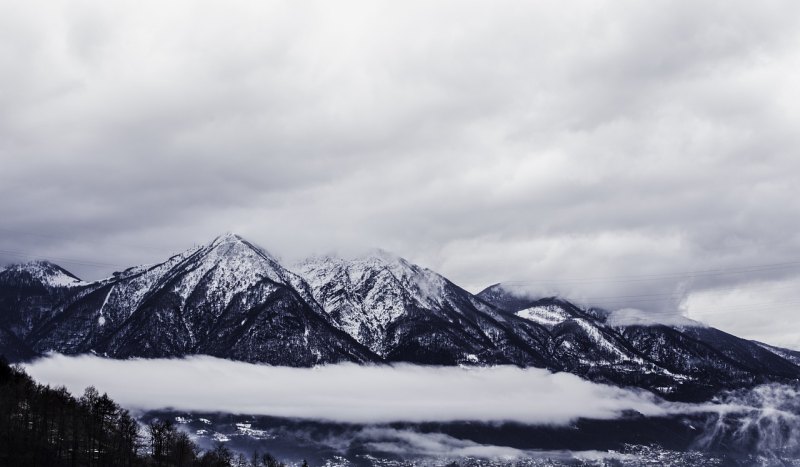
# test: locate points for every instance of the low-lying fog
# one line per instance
(411, 410)
(346, 392)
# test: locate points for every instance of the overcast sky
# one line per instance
(593, 149)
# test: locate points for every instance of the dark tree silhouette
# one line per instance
(42, 426)
(269, 461)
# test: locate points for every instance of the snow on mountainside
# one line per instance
(232, 299)
(684, 360)
(546, 315)
(228, 298)
(375, 297)
(42, 273)
(30, 293)
(404, 312)
(367, 295)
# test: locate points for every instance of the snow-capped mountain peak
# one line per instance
(234, 244)
(367, 294)
(379, 270)
(233, 299)
(227, 297)
(43, 273)
(226, 265)
(424, 285)
(382, 258)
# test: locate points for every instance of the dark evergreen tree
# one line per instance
(270, 461)
(48, 427)
(255, 459)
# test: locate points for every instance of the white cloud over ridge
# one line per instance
(346, 393)
(635, 317)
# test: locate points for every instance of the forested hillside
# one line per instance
(48, 427)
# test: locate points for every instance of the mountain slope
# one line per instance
(232, 299)
(228, 298)
(686, 362)
(406, 313)
(788, 354)
(38, 274)
(31, 293)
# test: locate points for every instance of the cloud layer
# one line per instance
(345, 393)
(409, 443)
(538, 142)
(764, 419)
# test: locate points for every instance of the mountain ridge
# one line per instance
(232, 299)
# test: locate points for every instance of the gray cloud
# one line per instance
(345, 393)
(523, 142)
(439, 445)
(408, 442)
(369, 397)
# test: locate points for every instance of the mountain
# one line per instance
(403, 312)
(688, 361)
(228, 298)
(38, 275)
(232, 299)
(29, 295)
(791, 355)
